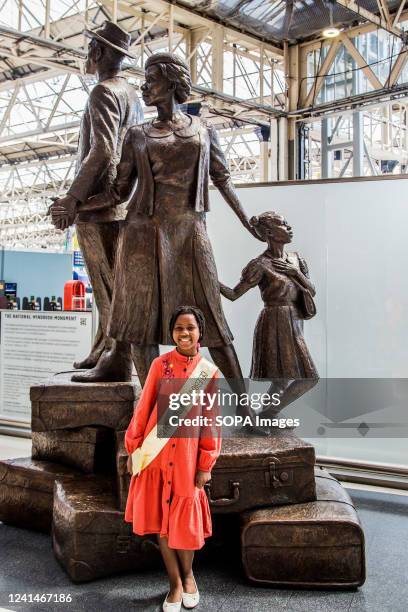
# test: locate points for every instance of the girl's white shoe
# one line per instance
(171, 607)
(190, 600)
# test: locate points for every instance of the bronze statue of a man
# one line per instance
(112, 107)
(164, 257)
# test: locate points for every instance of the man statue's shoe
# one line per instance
(96, 352)
(89, 362)
(113, 366)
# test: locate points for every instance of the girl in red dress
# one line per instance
(167, 496)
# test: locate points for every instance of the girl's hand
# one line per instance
(227, 292)
(129, 465)
(202, 478)
(285, 268)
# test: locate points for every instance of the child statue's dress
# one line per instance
(279, 349)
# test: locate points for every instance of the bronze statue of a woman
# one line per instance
(164, 256)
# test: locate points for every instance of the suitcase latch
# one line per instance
(275, 476)
(271, 478)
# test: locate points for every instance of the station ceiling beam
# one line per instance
(31, 49)
(382, 20)
(191, 18)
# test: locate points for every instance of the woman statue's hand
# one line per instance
(285, 268)
(202, 478)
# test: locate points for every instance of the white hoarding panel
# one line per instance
(33, 347)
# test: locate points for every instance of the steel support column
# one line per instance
(274, 158)
(218, 58)
(283, 149)
(358, 143)
(292, 77)
(326, 154)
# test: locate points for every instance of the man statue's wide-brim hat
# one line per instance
(112, 35)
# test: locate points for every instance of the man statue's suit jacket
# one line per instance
(112, 107)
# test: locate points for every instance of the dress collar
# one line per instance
(184, 132)
(285, 256)
(183, 359)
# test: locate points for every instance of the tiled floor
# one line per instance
(28, 565)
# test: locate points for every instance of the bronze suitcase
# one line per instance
(254, 472)
(86, 448)
(26, 491)
(318, 544)
(90, 536)
(62, 404)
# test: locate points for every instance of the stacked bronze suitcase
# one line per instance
(26, 491)
(298, 525)
(70, 486)
(253, 472)
(319, 544)
(89, 535)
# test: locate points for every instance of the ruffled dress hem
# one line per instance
(189, 518)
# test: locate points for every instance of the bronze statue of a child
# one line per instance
(279, 348)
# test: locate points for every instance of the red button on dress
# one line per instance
(184, 516)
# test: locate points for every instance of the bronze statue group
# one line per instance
(139, 200)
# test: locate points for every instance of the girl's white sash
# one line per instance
(152, 445)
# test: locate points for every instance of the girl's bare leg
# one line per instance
(185, 558)
(171, 562)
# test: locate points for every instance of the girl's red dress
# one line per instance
(163, 498)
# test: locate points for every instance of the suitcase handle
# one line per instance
(224, 501)
(147, 546)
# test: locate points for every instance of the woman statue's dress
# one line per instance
(165, 259)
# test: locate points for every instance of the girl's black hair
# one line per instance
(181, 310)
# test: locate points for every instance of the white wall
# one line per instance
(354, 236)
